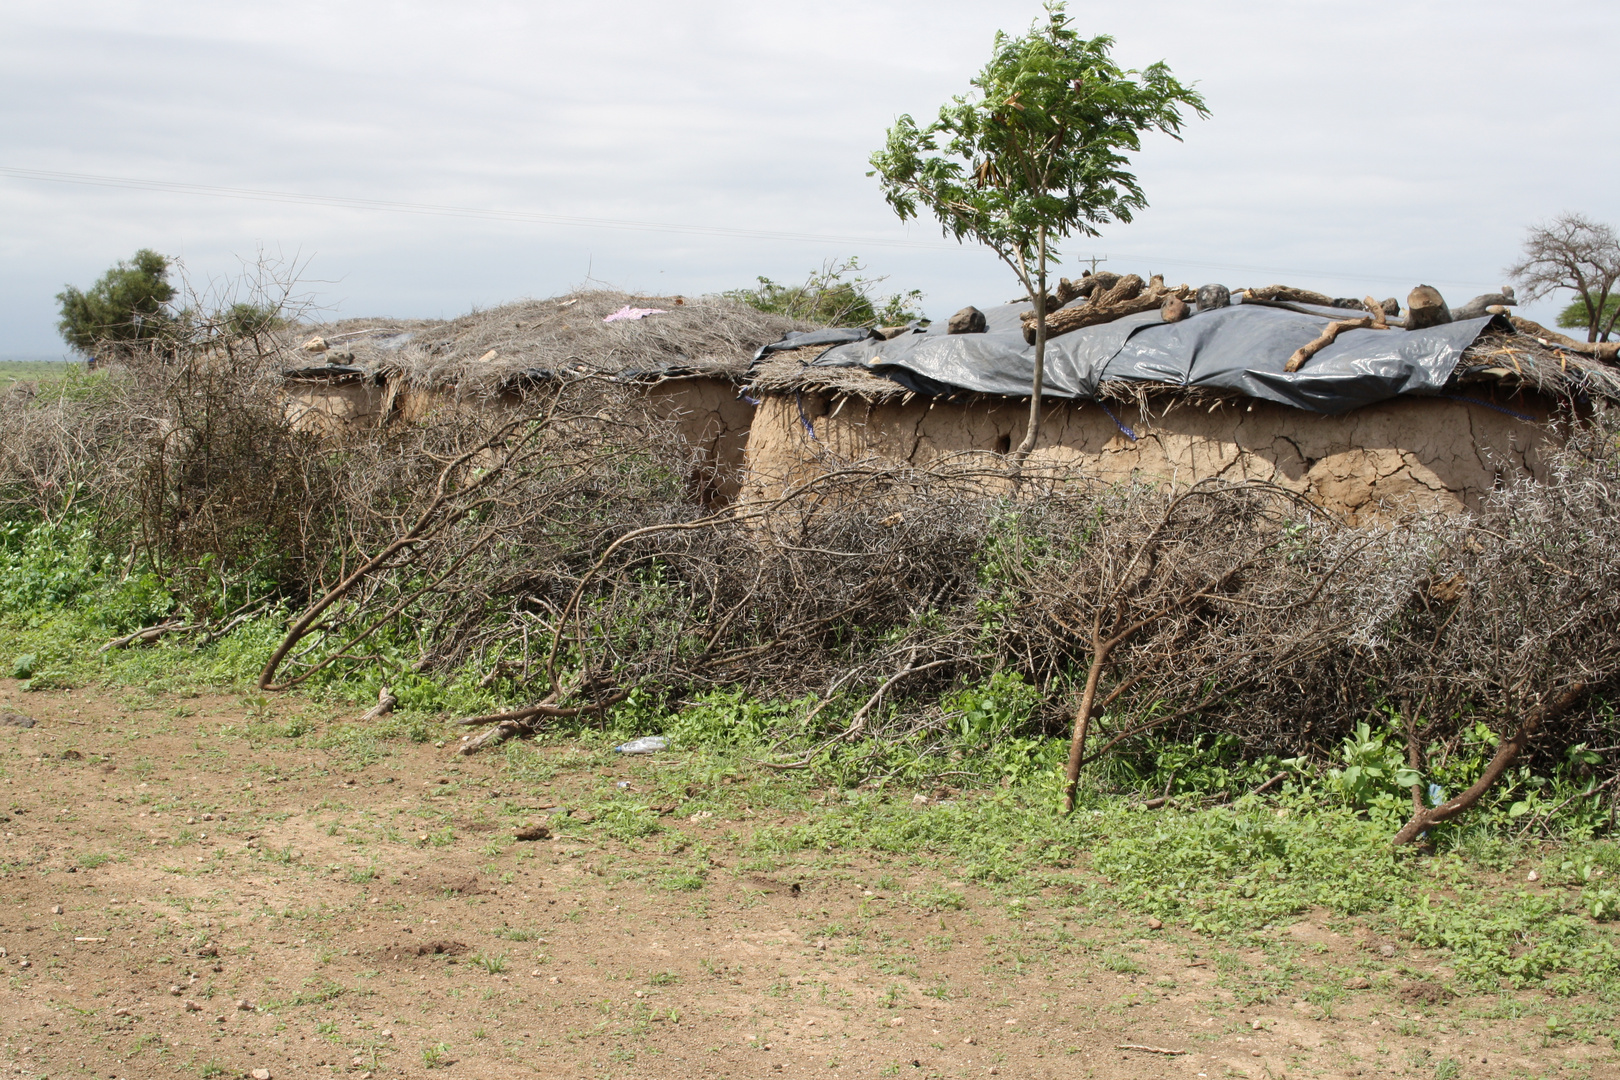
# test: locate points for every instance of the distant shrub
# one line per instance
(836, 295)
(127, 304)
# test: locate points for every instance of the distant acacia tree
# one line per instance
(1576, 253)
(127, 304)
(1577, 316)
(1035, 154)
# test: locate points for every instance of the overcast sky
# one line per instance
(1353, 148)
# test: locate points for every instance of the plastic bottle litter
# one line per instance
(647, 744)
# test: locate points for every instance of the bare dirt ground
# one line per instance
(185, 892)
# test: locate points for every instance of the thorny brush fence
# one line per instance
(550, 550)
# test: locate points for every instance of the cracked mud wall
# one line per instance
(1428, 453)
(714, 422)
(332, 410)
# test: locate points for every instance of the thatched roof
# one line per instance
(1515, 361)
(696, 336)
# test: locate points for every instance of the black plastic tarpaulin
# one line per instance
(1242, 348)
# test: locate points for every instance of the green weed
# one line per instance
(492, 964)
(682, 880)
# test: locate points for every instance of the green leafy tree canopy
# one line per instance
(1037, 152)
(126, 304)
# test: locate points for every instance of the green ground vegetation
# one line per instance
(1213, 858)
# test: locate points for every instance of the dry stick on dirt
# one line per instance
(1511, 747)
(385, 705)
(1269, 784)
(149, 634)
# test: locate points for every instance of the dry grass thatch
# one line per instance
(1518, 361)
(789, 371)
(704, 335)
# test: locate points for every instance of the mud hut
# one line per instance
(332, 399)
(688, 355)
(1428, 418)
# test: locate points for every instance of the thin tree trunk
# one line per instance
(1039, 381)
(1414, 758)
(1082, 720)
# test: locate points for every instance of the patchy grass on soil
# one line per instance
(206, 884)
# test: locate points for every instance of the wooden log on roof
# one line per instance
(1425, 307)
(1129, 296)
(1291, 295)
(1599, 350)
(1329, 334)
(1380, 321)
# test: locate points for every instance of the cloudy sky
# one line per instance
(1353, 148)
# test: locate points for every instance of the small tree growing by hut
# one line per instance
(1035, 155)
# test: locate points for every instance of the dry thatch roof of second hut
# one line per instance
(566, 336)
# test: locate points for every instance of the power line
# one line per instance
(488, 214)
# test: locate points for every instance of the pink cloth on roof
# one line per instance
(628, 312)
